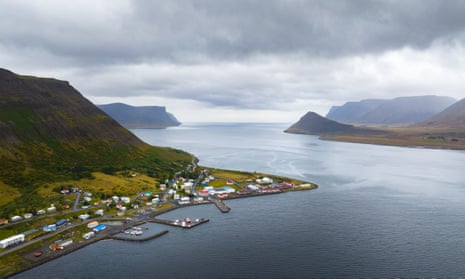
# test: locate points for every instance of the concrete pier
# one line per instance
(220, 205)
(138, 239)
(180, 223)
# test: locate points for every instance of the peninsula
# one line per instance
(445, 129)
(70, 175)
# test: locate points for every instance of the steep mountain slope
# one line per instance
(398, 111)
(353, 112)
(50, 132)
(313, 123)
(452, 117)
(140, 117)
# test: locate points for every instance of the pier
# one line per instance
(220, 204)
(138, 239)
(186, 223)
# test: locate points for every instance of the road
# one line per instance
(76, 202)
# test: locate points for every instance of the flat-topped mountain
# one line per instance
(398, 111)
(50, 132)
(140, 116)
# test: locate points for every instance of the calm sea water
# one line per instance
(379, 212)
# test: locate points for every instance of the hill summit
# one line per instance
(315, 124)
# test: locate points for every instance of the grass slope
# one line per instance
(49, 133)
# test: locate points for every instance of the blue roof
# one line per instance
(100, 227)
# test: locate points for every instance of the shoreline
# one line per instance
(109, 235)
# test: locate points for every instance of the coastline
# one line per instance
(110, 233)
(407, 141)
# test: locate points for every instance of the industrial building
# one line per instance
(12, 240)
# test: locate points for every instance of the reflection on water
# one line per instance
(379, 212)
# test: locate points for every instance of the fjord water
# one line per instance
(380, 211)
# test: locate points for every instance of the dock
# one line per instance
(138, 239)
(220, 205)
(186, 224)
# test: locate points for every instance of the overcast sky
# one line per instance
(239, 60)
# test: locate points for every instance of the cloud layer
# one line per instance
(258, 60)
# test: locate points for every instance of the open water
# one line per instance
(379, 212)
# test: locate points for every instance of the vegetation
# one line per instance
(51, 135)
(423, 135)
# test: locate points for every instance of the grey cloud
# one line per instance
(181, 30)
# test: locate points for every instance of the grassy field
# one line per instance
(407, 139)
(8, 193)
(246, 177)
(117, 184)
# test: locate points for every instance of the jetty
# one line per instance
(220, 204)
(186, 223)
(123, 238)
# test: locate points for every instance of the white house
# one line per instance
(264, 180)
(84, 216)
(16, 218)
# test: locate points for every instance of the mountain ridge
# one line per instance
(394, 112)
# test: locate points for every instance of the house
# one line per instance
(229, 182)
(188, 186)
(253, 187)
(163, 187)
(99, 228)
(184, 200)
(49, 228)
(203, 192)
(125, 199)
(16, 218)
(264, 180)
(40, 212)
(3, 221)
(92, 224)
(88, 235)
(52, 208)
(28, 215)
(84, 216)
(61, 222)
(99, 212)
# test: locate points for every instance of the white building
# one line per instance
(52, 208)
(11, 240)
(88, 235)
(99, 212)
(28, 215)
(16, 218)
(84, 216)
(264, 180)
(126, 199)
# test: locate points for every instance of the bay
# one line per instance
(380, 211)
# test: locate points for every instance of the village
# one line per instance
(51, 230)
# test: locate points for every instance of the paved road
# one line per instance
(76, 202)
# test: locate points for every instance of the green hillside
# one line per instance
(49, 133)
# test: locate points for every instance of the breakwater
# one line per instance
(142, 239)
